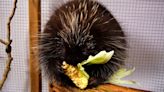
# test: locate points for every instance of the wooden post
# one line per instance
(34, 28)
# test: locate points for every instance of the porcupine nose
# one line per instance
(75, 56)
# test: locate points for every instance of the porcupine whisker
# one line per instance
(101, 72)
(116, 45)
(116, 38)
(108, 21)
(118, 59)
(113, 68)
(116, 63)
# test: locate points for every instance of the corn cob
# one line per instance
(79, 78)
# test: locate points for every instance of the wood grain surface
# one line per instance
(34, 24)
(101, 88)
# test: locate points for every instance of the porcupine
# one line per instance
(75, 30)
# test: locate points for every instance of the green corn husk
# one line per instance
(116, 78)
(101, 58)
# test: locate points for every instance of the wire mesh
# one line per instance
(142, 21)
(17, 80)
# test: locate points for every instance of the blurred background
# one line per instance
(141, 20)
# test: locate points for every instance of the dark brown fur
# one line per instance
(76, 31)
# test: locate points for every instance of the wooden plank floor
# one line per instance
(101, 88)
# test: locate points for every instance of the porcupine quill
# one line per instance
(75, 30)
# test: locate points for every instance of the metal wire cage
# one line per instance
(141, 20)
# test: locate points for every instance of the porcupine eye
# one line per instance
(89, 48)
